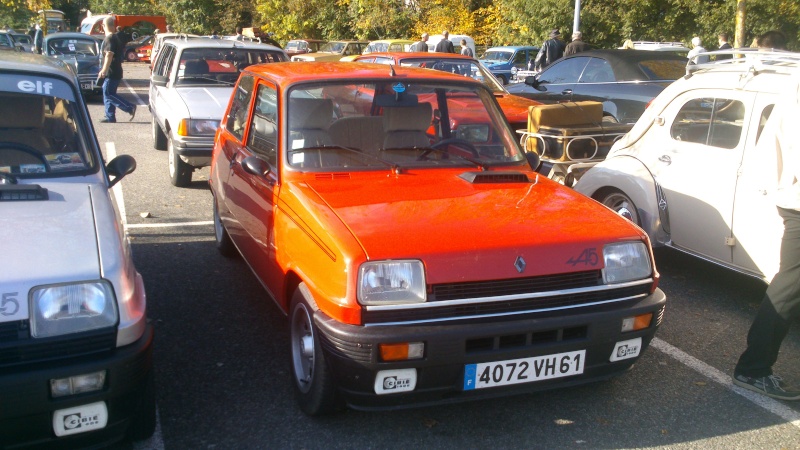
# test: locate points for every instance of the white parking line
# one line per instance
(139, 100)
(769, 404)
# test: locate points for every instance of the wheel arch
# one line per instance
(627, 175)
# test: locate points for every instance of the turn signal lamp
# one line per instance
(89, 382)
(402, 351)
(639, 322)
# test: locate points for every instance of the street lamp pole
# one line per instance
(576, 23)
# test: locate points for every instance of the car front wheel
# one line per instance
(180, 173)
(622, 205)
(130, 56)
(313, 383)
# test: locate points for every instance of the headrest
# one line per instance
(195, 66)
(407, 118)
(18, 111)
(310, 113)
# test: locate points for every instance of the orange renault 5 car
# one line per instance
(416, 266)
(514, 107)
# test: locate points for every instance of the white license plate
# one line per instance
(525, 370)
(80, 419)
(86, 86)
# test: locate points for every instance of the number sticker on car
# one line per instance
(525, 370)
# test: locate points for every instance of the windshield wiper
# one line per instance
(428, 150)
(394, 166)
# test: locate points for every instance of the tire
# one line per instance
(143, 421)
(622, 205)
(223, 239)
(130, 56)
(159, 138)
(180, 173)
(313, 383)
(502, 79)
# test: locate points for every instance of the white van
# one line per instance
(455, 39)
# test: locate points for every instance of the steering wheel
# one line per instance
(22, 148)
(463, 143)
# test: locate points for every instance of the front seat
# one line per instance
(406, 126)
(309, 119)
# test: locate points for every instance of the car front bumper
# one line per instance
(195, 150)
(27, 408)
(353, 356)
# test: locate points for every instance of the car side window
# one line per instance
(165, 61)
(564, 71)
(762, 122)
(263, 135)
(597, 71)
(520, 60)
(240, 104)
(710, 121)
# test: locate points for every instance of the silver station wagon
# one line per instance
(75, 346)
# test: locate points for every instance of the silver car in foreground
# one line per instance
(190, 86)
(75, 346)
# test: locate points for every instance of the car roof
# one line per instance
(512, 47)
(300, 71)
(747, 64)
(203, 42)
(307, 40)
(72, 35)
(412, 55)
(33, 63)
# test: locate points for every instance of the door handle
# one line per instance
(665, 159)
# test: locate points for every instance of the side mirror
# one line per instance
(159, 80)
(255, 166)
(533, 81)
(533, 160)
(119, 167)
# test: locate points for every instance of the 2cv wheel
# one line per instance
(622, 205)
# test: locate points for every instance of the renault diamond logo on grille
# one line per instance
(519, 264)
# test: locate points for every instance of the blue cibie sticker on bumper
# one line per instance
(470, 373)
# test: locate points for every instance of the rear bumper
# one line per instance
(352, 352)
(27, 408)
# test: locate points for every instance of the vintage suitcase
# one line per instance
(579, 142)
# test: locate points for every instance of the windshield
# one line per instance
(388, 123)
(296, 45)
(333, 47)
(42, 135)
(73, 46)
(221, 66)
(464, 67)
(496, 55)
(22, 38)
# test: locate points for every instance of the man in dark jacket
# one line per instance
(577, 45)
(551, 50)
(445, 46)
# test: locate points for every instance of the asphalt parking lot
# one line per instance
(221, 350)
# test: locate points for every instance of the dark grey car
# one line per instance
(625, 81)
(81, 52)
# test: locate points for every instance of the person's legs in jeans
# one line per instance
(112, 100)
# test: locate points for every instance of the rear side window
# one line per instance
(710, 121)
(566, 71)
(597, 71)
(237, 118)
(664, 69)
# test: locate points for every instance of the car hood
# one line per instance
(515, 108)
(206, 102)
(474, 230)
(48, 241)
(82, 64)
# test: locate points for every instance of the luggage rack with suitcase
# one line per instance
(570, 137)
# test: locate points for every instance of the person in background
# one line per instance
(111, 71)
(551, 50)
(780, 306)
(772, 39)
(697, 49)
(421, 45)
(577, 45)
(169, 29)
(214, 34)
(628, 45)
(445, 46)
(722, 38)
(465, 50)
(239, 36)
(38, 39)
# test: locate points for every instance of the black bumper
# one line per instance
(352, 352)
(26, 406)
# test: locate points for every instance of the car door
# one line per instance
(757, 227)
(250, 198)
(695, 156)
(557, 81)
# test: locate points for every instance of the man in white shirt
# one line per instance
(697, 49)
